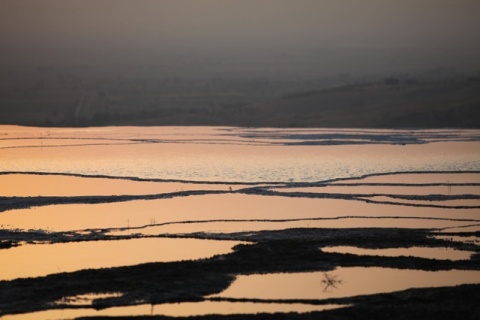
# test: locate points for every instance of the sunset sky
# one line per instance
(340, 35)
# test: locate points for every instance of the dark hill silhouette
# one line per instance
(391, 103)
(384, 105)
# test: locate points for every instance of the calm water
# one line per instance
(221, 162)
(230, 154)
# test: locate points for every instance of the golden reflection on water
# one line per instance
(351, 281)
(183, 309)
(240, 226)
(206, 153)
(207, 207)
(421, 252)
(220, 154)
(37, 260)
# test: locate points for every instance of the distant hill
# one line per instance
(385, 105)
(392, 103)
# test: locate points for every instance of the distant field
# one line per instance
(384, 104)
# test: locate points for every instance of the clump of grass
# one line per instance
(330, 281)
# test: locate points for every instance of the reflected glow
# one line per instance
(227, 155)
(184, 309)
(352, 281)
(43, 259)
(421, 252)
(241, 226)
(207, 207)
(222, 154)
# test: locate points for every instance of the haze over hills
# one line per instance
(389, 103)
(252, 62)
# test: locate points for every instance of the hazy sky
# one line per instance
(336, 34)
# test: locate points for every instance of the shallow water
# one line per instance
(420, 252)
(346, 282)
(220, 154)
(244, 165)
(31, 185)
(138, 213)
(242, 226)
(184, 309)
(43, 259)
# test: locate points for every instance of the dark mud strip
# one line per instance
(359, 137)
(216, 142)
(460, 302)
(46, 139)
(373, 184)
(184, 281)
(279, 221)
(12, 238)
(390, 174)
(80, 175)
(353, 196)
(68, 145)
(444, 303)
(266, 184)
(136, 141)
(364, 197)
(9, 203)
(420, 204)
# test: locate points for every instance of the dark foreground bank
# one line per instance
(290, 250)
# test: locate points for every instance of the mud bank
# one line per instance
(281, 251)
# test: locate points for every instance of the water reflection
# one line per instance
(184, 309)
(222, 207)
(354, 281)
(43, 259)
(214, 227)
(226, 154)
(421, 252)
(230, 155)
(330, 281)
